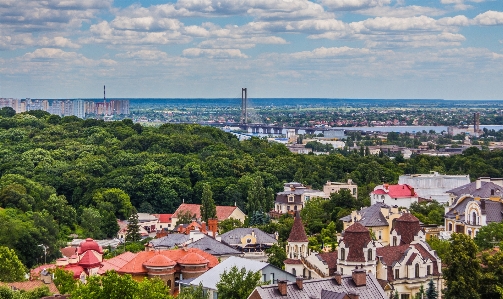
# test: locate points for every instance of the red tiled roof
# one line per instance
(89, 260)
(164, 218)
(292, 261)
(31, 285)
(411, 258)
(298, 233)
(397, 191)
(135, 266)
(68, 251)
(75, 269)
(390, 254)
(426, 255)
(160, 260)
(192, 259)
(407, 226)
(356, 237)
(117, 262)
(331, 259)
(89, 244)
(223, 212)
(35, 273)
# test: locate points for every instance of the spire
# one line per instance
(298, 233)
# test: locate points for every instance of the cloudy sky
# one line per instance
(450, 49)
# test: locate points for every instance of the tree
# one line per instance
(463, 271)
(440, 246)
(491, 286)
(256, 199)
(64, 281)
(91, 222)
(431, 292)
(184, 217)
(7, 112)
(133, 228)
(489, 235)
(119, 200)
(208, 208)
(11, 268)
(237, 284)
(228, 225)
(191, 292)
(276, 255)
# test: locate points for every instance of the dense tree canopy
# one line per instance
(237, 283)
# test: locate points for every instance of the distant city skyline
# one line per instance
(383, 49)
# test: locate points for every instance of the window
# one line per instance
(382, 197)
(474, 218)
(416, 271)
(272, 277)
(288, 208)
(380, 235)
(343, 254)
(294, 272)
(369, 254)
(160, 226)
(290, 198)
(307, 198)
(450, 227)
(295, 208)
(397, 273)
(342, 271)
(428, 270)
(404, 296)
(264, 277)
(394, 241)
(354, 191)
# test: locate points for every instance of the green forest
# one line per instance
(67, 175)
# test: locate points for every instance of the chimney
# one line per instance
(353, 295)
(203, 227)
(299, 280)
(282, 285)
(359, 277)
(338, 277)
(213, 226)
(253, 232)
(478, 183)
(411, 191)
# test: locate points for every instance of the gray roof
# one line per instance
(312, 289)
(212, 246)
(371, 216)
(325, 294)
(234, 236)
(471, 189)
(170, 240)
(493, 210)
(210, 278)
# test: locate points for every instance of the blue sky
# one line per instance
(450, 49)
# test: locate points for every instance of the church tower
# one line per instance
(296, 247)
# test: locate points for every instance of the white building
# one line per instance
(294, 197)
(332, 187)
(394, 195)
(434, 185)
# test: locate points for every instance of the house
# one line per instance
(403, 266)
(252, 242)
(378, 218)
(209, 280)
(164, 221)
(401, 195)
(293, 198)
(223, 213)
(434, 185)
(169, 265)
(483, 187)
(333, 187)
(358, 285)
(116, 262)
(297, 248)
(468, 214)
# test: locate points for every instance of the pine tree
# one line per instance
(208, 208)
(133, 228)
(431, 292)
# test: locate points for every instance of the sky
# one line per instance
(391, 49)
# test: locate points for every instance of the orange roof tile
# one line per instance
(159, 260)
(117, 262)
(75, 269)
(89, 260)
(135, 266)
(68, 251)
(192, 259)
(223, 212)
(164, 218)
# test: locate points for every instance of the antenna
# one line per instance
(104, 102)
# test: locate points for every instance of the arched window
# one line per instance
(169, 284)
(394, 241)
(417, 271)
(382, 197)
(343, 254)
(474, 218)
(369, 254)
(294, 272)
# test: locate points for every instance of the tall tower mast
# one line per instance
(244, 104)
(104, 102)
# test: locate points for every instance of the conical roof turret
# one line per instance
(298, 233)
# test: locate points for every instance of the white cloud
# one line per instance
(353, 4)
(489, 18)
(401, 12)
(242, 43)
(214, 53)
(155, 55)
(459, 20)
(58, 42)
(329, 52)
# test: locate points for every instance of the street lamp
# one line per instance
(45, 252)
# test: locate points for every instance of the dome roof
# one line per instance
(90, 244)
(192, 258)
(356, 237)
(159, 260)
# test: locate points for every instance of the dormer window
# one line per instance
(343, 254)
(394, 241)
(369, 255)
(290, 198)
